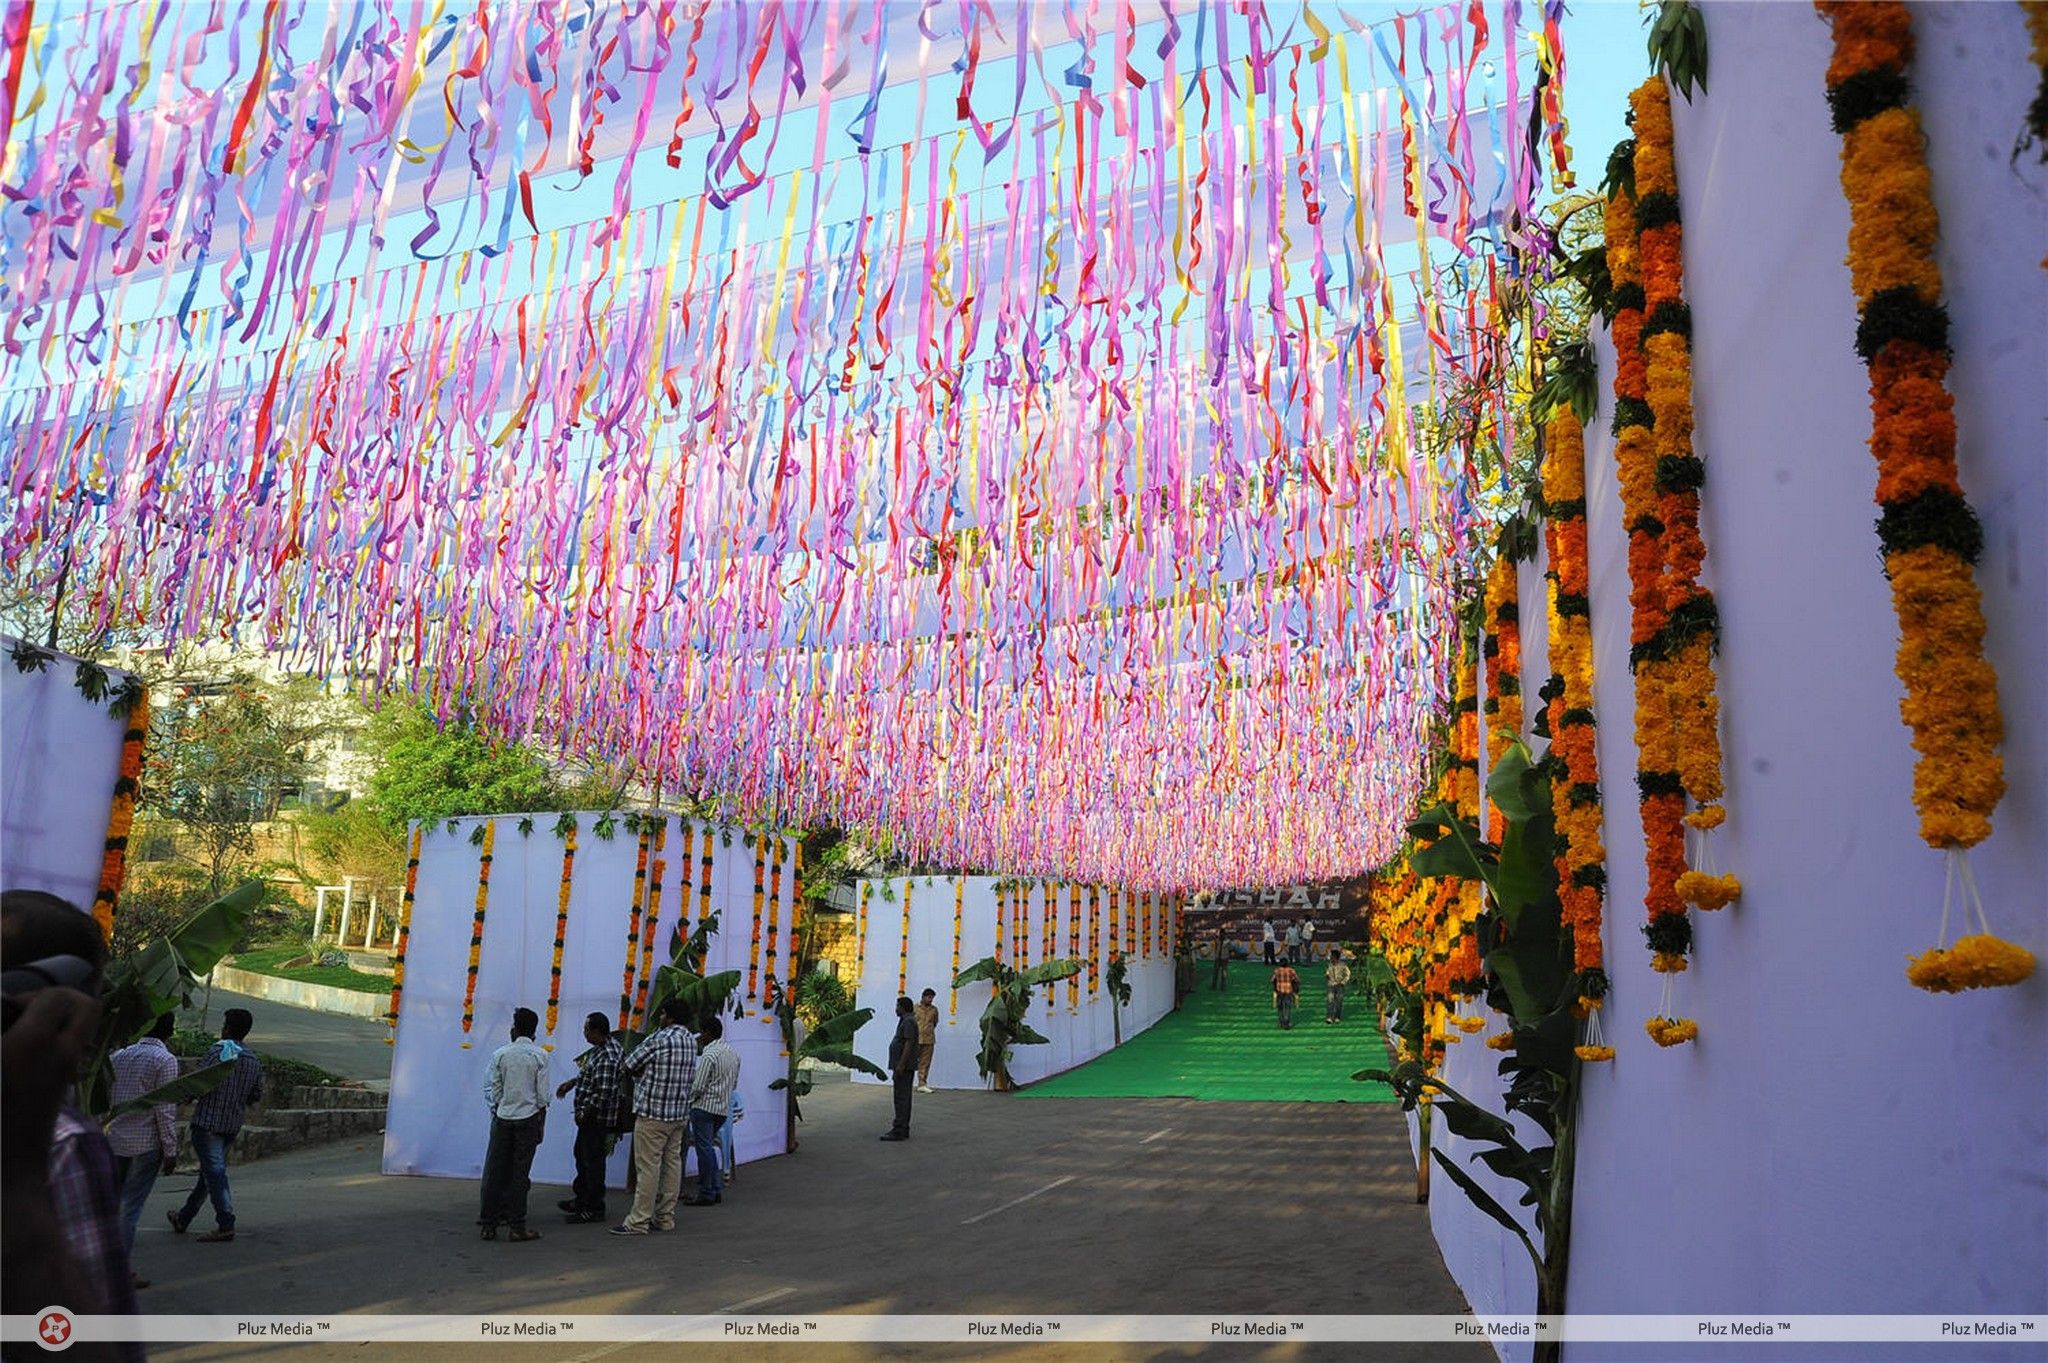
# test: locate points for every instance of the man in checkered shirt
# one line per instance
(598, 1117)
(662, 1067)
(144, 1143)
(216, 1121)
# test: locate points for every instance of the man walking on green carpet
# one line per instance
(1286, 986)
(1335, 981)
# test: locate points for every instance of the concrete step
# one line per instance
(328, 1096)
(282, 1129)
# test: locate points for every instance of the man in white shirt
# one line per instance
(1308, 939)
(1293, 942)
(516, 1088)
(1266, 939)
(711, 1092)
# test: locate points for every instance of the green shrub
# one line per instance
(821, 996)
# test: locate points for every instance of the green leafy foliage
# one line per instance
(159, 978)
(1003, 1021)
(1570, 379)
(1678, 45)
(428, 772)
(821, 996)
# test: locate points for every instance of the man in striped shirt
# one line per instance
(144, 1143)
(663, 1067)
(718, 1072)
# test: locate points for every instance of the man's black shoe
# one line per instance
(894, 1136)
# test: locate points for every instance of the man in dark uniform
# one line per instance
(903, 1052)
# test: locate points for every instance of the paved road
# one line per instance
(350, 1047)
(1168, 1205)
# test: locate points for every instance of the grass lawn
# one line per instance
(271, 961)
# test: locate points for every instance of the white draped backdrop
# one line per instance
(1075, 1018)
(1836, 1140)
(63, 755)
(438, 1122)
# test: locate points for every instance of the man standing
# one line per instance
(1267, 939)
(663, 1068)
(1335, 982)
(597, 1118)
(927, 1038)
(1219, 975)
(903, 1053)
(711, 1096)
(216, 1121)
(144, 1143)
(516, 1089)
(1286, 984)
(1293, 943)
(1308, 939)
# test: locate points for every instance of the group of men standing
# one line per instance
(676, 1089)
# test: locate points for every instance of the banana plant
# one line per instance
(1118, 982)
(1003, 1022)
(155, 980)
(1525, 952)
(831, 1043)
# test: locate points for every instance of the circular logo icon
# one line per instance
(53, 1328)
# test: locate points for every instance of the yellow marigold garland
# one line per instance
(1691, 618)
(776, 853)
(1049, 935)
(903, 946)
(1928, 533)
(1661, 793)
(561, 923)
(959, 917)
(476, 927)
(1503, 651)
(649, 934)
(412, 880)
(121, 814)
(1569, 717)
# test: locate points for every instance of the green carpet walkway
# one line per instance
(1228, 1047)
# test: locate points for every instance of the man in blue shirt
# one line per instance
(516, 1087)
(216, 1121)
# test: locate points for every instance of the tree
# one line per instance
(222, 759)
(429, 772)
(1003, 1022)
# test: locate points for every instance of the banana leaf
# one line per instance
(183, 1089)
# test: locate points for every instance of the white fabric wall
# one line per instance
(1836, 1140)
(1078, 1031)
(62, 754)
(438, 1123)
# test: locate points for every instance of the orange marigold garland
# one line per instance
(1929, 536)
(633, 926)
(1685, 645)
(121, 813)
(1049, 936)
(1661, 793)
(412, 880)
(476, 927)
(860, 937)
(1074, 947)
(561, 922)
(704, 868)
(776, 854)
(754, 940)
(1503, 652)
(1568, 715)
(1094, 940)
